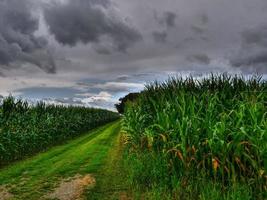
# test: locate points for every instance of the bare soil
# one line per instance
(4, 194)
(72, 188)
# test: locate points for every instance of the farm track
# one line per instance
(40, 176)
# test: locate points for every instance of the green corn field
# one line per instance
(26, 130)
(215, 128)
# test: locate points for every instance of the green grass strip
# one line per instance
(32, 178)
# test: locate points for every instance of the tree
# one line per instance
(129, 97)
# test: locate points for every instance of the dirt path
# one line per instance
(64, 172)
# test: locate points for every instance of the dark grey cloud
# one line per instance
(2, 74)
(256, 36)
(122, 78)
(170, 18)
(249, 60)
(160, 37)
(253, 52)
(185, 36)
(18, 42)
(167, 19)
(204, 19)
(103, 50)
(198, 29)
(87, 21)
(199, 58)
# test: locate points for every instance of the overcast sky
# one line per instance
(92, 52)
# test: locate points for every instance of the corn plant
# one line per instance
(26, 130)
(216, 126)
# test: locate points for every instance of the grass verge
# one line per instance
(33, 178)
(112, 178)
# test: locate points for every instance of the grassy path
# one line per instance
(112, 177)
(33, 178)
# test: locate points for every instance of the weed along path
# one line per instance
(65, 172)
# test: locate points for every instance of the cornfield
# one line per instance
(26, 130)
(216, 127)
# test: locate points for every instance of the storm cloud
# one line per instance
(160, 37)
(253, 51)
(116, 46)
(18, 42)
(167, 19)
(88, 21)
(199, 58)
